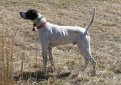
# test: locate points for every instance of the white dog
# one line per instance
(52, 35)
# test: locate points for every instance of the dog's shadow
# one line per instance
(39, 75)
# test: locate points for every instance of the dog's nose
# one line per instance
(20, 13)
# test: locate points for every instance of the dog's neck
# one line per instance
(39, 20)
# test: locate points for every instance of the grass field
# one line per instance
(20, 50)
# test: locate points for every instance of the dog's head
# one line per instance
(34, 16)
(31, 14)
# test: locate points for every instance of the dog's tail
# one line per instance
(87, 29)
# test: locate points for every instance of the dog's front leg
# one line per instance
(44, 44)
(44, 55)
(51, 58)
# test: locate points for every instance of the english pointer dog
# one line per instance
(52, 35)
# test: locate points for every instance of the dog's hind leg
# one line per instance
(84, 47)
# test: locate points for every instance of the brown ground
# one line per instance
(105, 40)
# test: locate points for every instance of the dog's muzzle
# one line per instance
(23, 15)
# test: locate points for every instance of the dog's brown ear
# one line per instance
(32, 14)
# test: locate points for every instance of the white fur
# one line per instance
(52, 35)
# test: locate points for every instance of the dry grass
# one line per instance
(20, 49)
